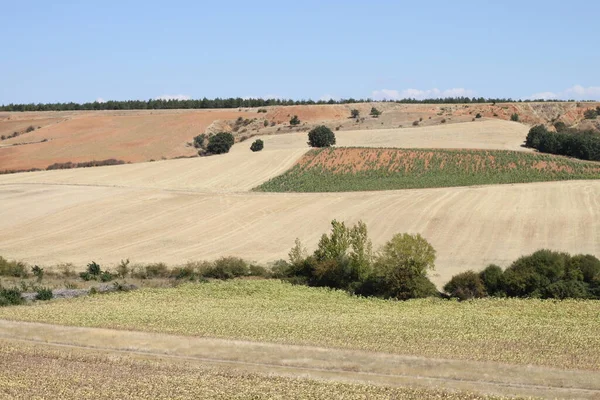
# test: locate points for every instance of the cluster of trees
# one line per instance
(544, 274)
(345, 259)
(218, 143)
(158, 104)
(583, 145)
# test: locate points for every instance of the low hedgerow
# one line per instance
(544, 274)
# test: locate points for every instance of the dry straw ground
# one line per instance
(194, 209)
(34, 371)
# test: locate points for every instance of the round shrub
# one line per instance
(535, 136)
(466, 285)
(492, 279)
(44, 293)
(321, 136)
(258, 145)
(220, 143)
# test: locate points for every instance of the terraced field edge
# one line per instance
(345, 169)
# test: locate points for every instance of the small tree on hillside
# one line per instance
(257, 145)
(295, 121)
(375, 112)
(321, 136)
(354, 113)
(514, 117)
(220, 143)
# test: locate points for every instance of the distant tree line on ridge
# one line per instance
(159, 104)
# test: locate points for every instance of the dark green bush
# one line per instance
(266, 123)
(569, 289)
(257, 145)
(535, 136)
(493, 280)
(375, 112)
(10, 297)
(106, 276)
(257, 270)
(86, 276)
(44, 293)
(466, 285)
(321, 136)
(354, 113)
(151, 271)
(187, 272)
(560, 126)
(94, 269)
(200, 141)
(514, 117)
(220, 143)
(295, 121)
(227, 268)
(478, 115)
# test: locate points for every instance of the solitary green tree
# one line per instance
(354, 113)
(295, 121)
(375, 112)
(257, 145)
(321, 136)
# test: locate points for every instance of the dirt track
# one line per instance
(313, 362)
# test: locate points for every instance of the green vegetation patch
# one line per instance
(521, 331)
(359, 169)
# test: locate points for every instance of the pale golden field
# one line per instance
(36, 372)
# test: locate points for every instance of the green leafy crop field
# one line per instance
(365, 169)
(519, 331)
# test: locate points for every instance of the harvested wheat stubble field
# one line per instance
(74, 374)
(468, 226)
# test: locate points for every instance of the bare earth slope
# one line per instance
(142, 135)
(84, 136)
(469, 227)
(241, 170)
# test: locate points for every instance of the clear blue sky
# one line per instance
(85, 50)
